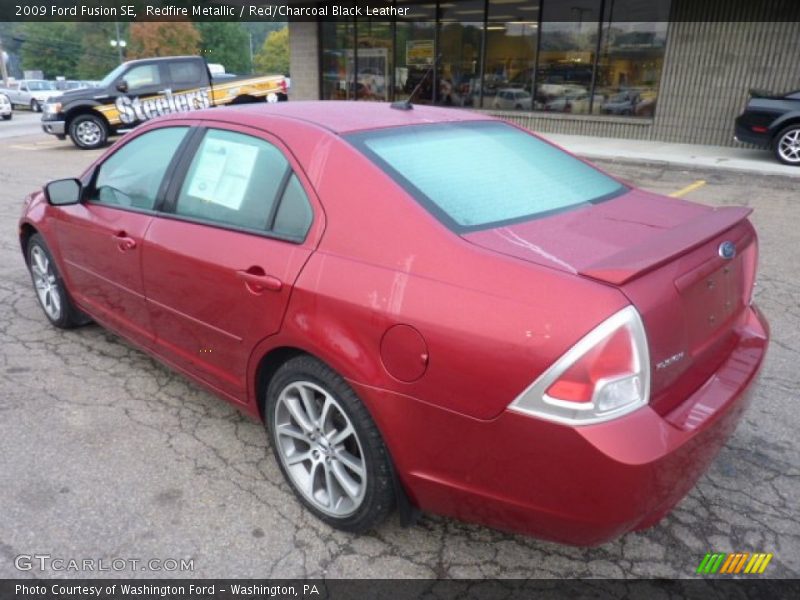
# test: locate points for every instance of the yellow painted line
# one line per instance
(689, 188)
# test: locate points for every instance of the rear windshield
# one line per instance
(481, 175)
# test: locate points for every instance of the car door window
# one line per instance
(132, 176)
(141, 77)
(234, 179)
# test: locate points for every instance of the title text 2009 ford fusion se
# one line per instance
(428, 308)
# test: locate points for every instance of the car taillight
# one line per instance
(283, 86)
(605, 375)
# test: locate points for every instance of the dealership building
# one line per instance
(666, 70)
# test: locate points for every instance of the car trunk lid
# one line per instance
(666, 256)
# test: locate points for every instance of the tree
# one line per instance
(98, 56)
(273, 58)
(54, 48)
(226, 43)
(156, 38)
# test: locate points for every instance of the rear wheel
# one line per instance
(328, 448)
(50, 288)
(35, 106)
(787, 145)
(88, 131)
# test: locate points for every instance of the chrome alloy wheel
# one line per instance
(320, 449)
(88, 133)
(789, 146)
(47, 287)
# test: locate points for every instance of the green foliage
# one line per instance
(54, 48)
(273, 58)
(226, 43)
(261, 29)
(99, 57)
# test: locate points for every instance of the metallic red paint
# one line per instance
(492, 311)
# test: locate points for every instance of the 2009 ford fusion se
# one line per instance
(428, 308)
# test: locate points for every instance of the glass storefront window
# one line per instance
(338, 42)
(566, 56)
(414, 53)
(631, 57)
(511, 44)
(374, 61)
(460, 40)
(514, 55)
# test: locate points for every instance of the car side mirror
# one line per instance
(122, 86)
(63, 192)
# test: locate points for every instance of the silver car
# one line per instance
(5, 107)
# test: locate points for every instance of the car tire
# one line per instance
(328, 447)
(50, 288)
(786, 145)
(88, 131)
(8, 117)
(35, 106)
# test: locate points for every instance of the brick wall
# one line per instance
(304, 61)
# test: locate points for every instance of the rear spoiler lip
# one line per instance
(760, 93)
(630, 263)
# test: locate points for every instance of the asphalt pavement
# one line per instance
(22, 123)
(107, 454)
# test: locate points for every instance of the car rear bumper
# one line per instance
(576, 485)
(744, 133)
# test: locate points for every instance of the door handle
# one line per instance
(257, 281)
(124, 243)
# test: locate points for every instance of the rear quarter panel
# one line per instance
(491, 323)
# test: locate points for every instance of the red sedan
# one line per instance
(427, 308)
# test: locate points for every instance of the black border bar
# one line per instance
(722, 588)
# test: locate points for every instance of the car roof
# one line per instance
(342, 117)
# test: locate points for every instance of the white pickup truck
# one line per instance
(30, 93)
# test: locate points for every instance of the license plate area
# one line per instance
(712, 297)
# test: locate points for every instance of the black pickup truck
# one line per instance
(142, 89)
(772, 121)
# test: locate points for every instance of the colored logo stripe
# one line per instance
(734, 563)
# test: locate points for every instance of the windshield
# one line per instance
(481, 175)
(40, 86)
(112, 77)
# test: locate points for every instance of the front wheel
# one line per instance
(787, 145)
(8, 116)
(328, 448)
(88, 131)
(50, 288)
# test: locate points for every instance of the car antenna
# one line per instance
(406, 104)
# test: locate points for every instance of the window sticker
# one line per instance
(223, 172)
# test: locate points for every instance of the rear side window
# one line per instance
(474, 176)
(185, 73)
(131, 176)
(294, 212)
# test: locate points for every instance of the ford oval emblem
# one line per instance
(727, 250)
